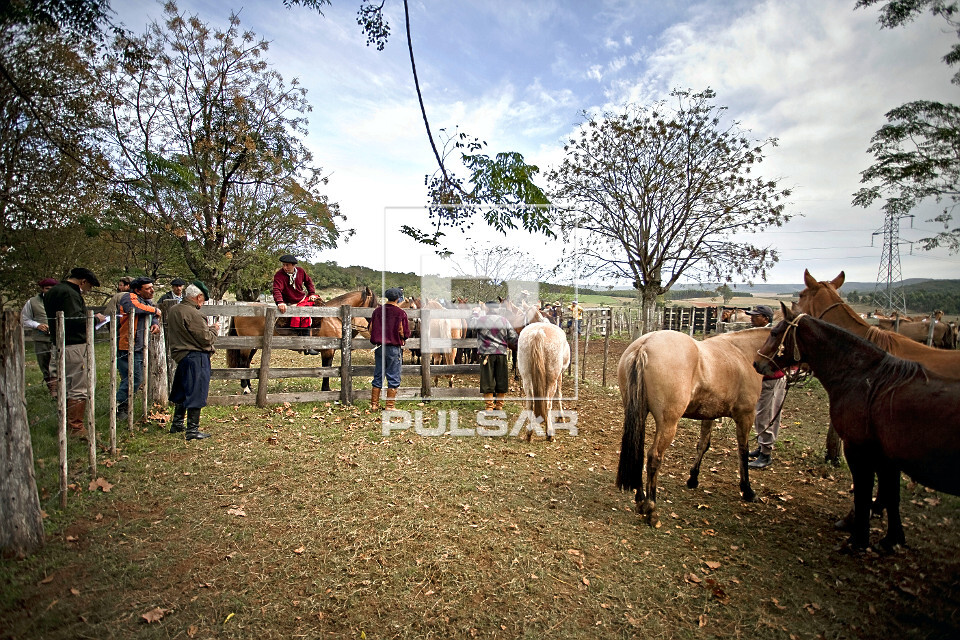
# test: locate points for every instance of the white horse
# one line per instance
(442, 331)
(542, 356)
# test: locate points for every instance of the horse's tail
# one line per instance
(630, 469)
(238, 358)
(540, 372)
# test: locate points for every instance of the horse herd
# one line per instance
(893, 401)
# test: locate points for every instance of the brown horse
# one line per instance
(671, 375)
(892, 414)
(322, 328)
(821, 300)
(919, 331)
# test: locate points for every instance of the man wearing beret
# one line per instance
(68, 298)
(767, 423)
(34, 317)
(292, 286)
(191, 344)
(175, 293)
(389, 328)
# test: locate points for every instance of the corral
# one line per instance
(305, 520)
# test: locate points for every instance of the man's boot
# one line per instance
(488, 400)
(53, 385)
(176, 424)
(375, 398)
(193, 425)
(391, 399)
(305, 332)
(498, 405)
(76, 408)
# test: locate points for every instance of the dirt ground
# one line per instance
(307, 521)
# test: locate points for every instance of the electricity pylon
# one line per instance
(888, 294)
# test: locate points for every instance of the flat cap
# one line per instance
(203, 288)
(761, 310)
(82, 273)
(288, 258)
(178, 282)
(48, 282)
(392, 294)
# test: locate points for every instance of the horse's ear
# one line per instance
(838, 281)
(808, 279)
(788, 314)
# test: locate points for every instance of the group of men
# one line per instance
(189, 337)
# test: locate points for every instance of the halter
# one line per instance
(796, 348)
(824, 312)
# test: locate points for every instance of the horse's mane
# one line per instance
(367, 298)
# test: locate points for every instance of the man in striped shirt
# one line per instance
(135, 306)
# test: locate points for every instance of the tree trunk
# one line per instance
(21, 525)
(158, 385)
(648, 309)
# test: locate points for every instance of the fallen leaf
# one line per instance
(692, 577)
(240, 513)
(72, 538)
(586, 581)
(299, 550)
(777, 604)
(74, 591)
(155, 615)
(47, 580)
(192, 631)
(712, 564)
(100, 483)
(703, 620)
(812, 608)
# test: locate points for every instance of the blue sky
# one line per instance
(817, 75)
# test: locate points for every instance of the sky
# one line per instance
(519, 74)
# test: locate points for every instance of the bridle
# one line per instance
(824, 312)
(780, 347)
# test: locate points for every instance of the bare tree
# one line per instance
(660, 191)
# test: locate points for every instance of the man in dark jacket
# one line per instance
(68, 298)
(389, 328)
(191, 344)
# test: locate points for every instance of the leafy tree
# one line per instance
(917, 153)
(207, 138)
(725, 292)
(659, 191)
(504, 179)
(52, 176)
(896, 13)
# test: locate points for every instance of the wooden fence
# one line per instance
(346, 371)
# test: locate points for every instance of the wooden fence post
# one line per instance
(425, 355)
(21, 523)
(131, 342)
(92, 401)
(62, 402)
(266, 350)
(159, 380)
(346, 354)
(606, 344)
(113, 384)
(145, 372)
(586, 347)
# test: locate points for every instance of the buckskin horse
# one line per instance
(673, 376)
(544, 354)
(892, 414)
(322, 328)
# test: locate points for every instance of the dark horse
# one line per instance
(892, 414)
(322, 328)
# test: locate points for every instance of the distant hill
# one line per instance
(775, 288)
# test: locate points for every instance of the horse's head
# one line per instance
(780, 349)
(819, 297)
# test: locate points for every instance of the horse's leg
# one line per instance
(744, 426)
(326, 359)
(859, 458)
(888, 496)
(666, 432)
(706, 428)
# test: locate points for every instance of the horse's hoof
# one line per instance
(692, 483)
(246, 392)
(845, 523)
(749, 496)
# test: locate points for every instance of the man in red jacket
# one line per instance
(292, 286)
(389, 328)
(767, 422)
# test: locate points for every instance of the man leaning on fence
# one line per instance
(495, 336)
(134, 304)
(68, 298)
(191, 343)
(34, 317)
